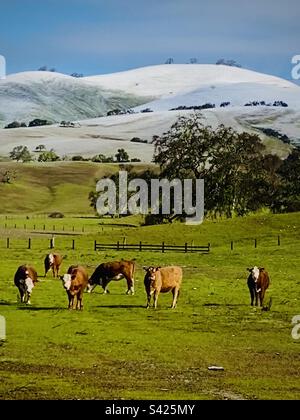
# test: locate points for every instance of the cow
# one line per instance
(53, 261)
(161, 280)
(75, 282)
(116, 270)
(25, 279)
(258, 282)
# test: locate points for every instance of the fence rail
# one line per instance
(204, 249)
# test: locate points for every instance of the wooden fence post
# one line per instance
(231, 245)
(255, 243)
(95, 245)
(52, 243)
(185, 247)
(278, 240)
(73, 243)
(140, 245)
(7, 243)
(163, 247)
(118, 246)
(29, 243)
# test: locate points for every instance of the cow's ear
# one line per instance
(145, 268)
(261, 268)
(157, 268)
(61, 277)
(249, 269)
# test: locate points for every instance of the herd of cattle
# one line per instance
(157, 280)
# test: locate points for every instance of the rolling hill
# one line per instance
(57, 97)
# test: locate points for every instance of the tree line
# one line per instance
(239, 175)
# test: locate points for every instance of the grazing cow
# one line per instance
(75, 282)
(25, 279)
(161, 280)
(53, 261)
(115, 270)
(258, 282)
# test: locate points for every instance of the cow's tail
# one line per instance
(47, 264)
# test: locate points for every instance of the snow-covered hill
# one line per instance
(56, 97)
(174, 79)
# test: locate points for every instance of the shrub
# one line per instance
(38, 122)
(16, 124)
(56, 215)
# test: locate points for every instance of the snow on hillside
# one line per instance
(56, 97)
(174, 79)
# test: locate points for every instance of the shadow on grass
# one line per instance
(40, 308)
(228, 305)
(121, 306)
(4, 303)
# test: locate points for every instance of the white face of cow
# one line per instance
(29, 285)
(255, 273)
(51, 259)
(66, 280)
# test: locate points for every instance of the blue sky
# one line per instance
(103, 36)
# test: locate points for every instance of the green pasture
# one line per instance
(116, 349)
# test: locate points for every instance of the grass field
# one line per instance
(116, 349)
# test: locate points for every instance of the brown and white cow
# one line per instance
(161, 280)
(53, 261)
(75, 282)
(25, 279)
(258, 282)
(116, 270)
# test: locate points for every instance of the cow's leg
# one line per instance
(130, 285)
(27, 300)
(252, 294)
(105, 285)
(90, 288)
(175, 293)
(53, 270)
(261, 296)
(79, 301)
(148, 299)
(70, 297)
(21, 294)
(256, 298)
(155, 297)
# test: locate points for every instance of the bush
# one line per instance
(135, 160)
(138, 140)
(38, 122)
(102, 159)
(146, 110)
(154, 219)
(48, 156)
(56, 215)
(20, 153)
(15, 124)
(78, 158)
